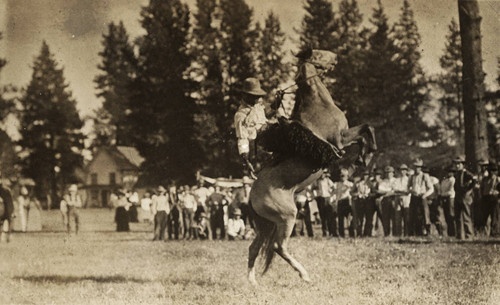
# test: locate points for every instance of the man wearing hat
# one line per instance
(447, 200)
(464, 185)
(403, 197)
(345, 210)
(251, 117)
(489, 189)
(71, 203)
(6, 212)
(161, 208)
(421, 187)
(235, 226)
(362, 201)
(323, 193)
(390, 212)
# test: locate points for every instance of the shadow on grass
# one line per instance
(64, 279)
(449, 241)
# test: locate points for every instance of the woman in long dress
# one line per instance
(121, 214)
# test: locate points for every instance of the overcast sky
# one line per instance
(73, 30)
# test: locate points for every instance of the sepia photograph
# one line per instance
(249, 152)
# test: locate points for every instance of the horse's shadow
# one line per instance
(65, 279)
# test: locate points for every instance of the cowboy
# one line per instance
(251, 117)
(447, 200)
(464, 185)
(160, 208)
(361, 195)
(489, 199)
(421, 187)
(236, 226)
(323, 190)
(391, 211)
(342, 194)
(69, 206)
(403, 199)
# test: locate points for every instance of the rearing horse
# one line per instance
(272, 194)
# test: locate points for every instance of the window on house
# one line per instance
(93, 178)
(112, 178)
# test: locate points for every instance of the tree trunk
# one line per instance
(476, 140)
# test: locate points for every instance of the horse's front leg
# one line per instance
(354, 135)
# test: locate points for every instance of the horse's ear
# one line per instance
(305, 53)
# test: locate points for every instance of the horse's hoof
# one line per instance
(306, 278)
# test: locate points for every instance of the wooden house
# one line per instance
(112, 167)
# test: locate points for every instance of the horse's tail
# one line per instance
(268, 232)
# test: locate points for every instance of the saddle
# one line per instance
(289, 138)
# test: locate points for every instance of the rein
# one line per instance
(281, 92)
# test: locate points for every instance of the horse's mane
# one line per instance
(303, 89)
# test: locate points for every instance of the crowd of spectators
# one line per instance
(386, 201)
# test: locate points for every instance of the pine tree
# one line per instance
(379, 69)
(318, 26)
(50, 128)
(118, 68)
(273, 70)
(208, 69)
(451, 80)
(411, 85)
(348, 72)
(161, 107)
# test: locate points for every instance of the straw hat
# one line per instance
(73, 188)
(236, 212)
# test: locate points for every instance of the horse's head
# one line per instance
(321, 59)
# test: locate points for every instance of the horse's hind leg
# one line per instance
(253, 252)
(284, 231)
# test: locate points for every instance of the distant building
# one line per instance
(112, 167)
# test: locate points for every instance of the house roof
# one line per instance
(131, 154)
(125, 157)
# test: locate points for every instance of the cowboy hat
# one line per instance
(237, 212)
(389, 169)
(459, 159)
(403, 167)
(73, 188)
(251, 86)
(418, 163)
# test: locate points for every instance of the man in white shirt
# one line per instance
(236, 226)
(362, 204)
(421, 188)
(403, 198)
(160, 208)
(70, 204)
(344, 204)
(323, 189)
(388, 189)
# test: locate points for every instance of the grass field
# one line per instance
(100, 266)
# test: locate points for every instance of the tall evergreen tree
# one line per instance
(410, 86)
(273, 69)
(379, 68)
(118, 68)
(318, 26)
(50, 128)
(161, 108)
(208, 69)
(348, 73)
(451, 80)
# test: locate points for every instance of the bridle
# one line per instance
(281, 92)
